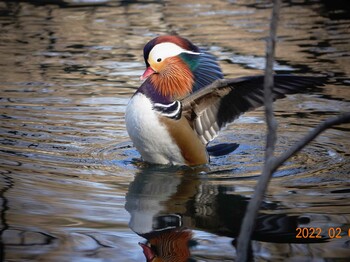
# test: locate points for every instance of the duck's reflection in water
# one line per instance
(167, 203)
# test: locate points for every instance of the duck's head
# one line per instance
(170, 245)
(170, 63)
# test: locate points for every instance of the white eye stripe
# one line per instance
(164, 50)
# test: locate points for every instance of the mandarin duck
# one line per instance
(178, 109)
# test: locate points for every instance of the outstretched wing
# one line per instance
(212, 107)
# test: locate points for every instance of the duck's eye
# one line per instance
(159, 60)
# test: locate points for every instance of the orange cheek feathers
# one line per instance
(174, 78)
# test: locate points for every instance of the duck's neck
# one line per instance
(148, 89)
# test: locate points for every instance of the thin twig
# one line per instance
(254, 205)
(328, 123)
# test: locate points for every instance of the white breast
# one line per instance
(148, 134)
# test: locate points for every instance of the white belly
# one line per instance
(149, 136)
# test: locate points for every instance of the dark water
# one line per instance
(71, 181)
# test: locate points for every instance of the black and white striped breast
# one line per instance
(172, 110)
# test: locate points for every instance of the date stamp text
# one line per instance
(317, 232)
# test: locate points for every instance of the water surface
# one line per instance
(72, 186)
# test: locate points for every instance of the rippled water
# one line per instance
(71, 181)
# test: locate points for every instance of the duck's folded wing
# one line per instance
(211, 108)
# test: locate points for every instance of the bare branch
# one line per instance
(254, 205)
(328, 123)
(269, 83)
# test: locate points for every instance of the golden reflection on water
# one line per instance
(67, 163)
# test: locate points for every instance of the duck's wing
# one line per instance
(212, 107)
